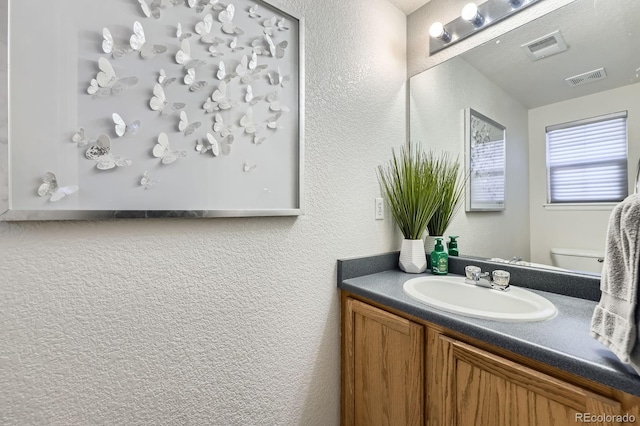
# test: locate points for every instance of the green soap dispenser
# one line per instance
(439, 259)
(452, 245)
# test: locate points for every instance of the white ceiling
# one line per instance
(601, 33)
(408, 6)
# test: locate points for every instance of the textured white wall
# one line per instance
(219, 322)
(586, 228)
(438, 98)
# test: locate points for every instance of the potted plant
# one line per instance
(409, 184)
(450, 188)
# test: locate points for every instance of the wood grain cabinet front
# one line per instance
(382, 367)
(476, 387)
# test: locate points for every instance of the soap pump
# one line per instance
(439, 259)
(452, 245)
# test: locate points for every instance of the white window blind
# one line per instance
(487, 185)
(587, 160)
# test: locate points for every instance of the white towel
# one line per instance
(615, 319)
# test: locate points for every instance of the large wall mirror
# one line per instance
(595, 75)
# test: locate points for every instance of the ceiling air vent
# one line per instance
(545, 46)
(587, 77)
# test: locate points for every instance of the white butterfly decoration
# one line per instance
(272, 122)
(107, 82)
(163, 151)
(274, 102)
(277, 79)
(247, 122)
(249, 70)
(50, 187)
(150, 9)
(159, 101)
(146, 181)
(139, 43)
(80, 138)
(153, 8)
(101, 153)
(214, 52)
(185, 126)
(202, 146)
(209, 144)
(248, 167)
(163, 80)
(190, 80)
(201, 4)
(222, 72)
(233, 45)
(219, 126)
(226, 18)
(282, 25)
(123, 128)
(276, 50)
(183, 57)
(109, 46)
(225, 145)
(258, 140)
(218, 99)
(258, 46)
(253, 12)
(204, 28)
(182, 35)
(269, 26)
(250, 98)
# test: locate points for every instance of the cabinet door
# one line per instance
(484, 389)
(383, 367)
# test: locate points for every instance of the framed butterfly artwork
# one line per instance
(150, 108)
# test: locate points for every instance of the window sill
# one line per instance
(581, 206)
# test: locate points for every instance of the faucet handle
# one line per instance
(472, 272)
(501, 277)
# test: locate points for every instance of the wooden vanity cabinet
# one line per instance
(470, 386)
(400, 370)
(382, 368)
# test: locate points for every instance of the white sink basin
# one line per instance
(453, 294)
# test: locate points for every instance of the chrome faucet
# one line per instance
(483, 279)
(515, 259)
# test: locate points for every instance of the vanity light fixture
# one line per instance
(470, 13)
(437, 30)
(479, 15)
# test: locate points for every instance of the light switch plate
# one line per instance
(379, 213)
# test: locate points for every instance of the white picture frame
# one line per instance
(485, 161)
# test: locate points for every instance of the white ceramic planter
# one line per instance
(412, 257)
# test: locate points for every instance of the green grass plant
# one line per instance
(450, 189)
(409, 183)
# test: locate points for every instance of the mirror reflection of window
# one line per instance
(587, 160)
(486, 163)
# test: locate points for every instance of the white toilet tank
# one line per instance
(578, 259)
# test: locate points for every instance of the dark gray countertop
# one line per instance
(562, 341)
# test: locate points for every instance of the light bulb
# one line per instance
(437, 31)
(470, 13)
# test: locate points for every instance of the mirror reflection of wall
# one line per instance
(501, 81)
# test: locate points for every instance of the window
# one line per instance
(587, 160)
